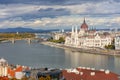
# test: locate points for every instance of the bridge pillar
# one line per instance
(13, 40)
(29, 41)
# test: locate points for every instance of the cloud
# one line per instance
(63, 22)
(47, 2)
(52, 2)
(101, 8)
(48, 12)
(51, 14)
(14, 10)
(37, 22)
(29, 11)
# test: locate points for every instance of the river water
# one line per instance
(37, 55)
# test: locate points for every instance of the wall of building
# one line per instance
(117, 43)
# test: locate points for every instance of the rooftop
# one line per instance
(83, 73)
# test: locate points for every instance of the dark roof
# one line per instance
(49, 72)
(84, 25)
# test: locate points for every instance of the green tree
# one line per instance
(61, 40)
(110, 46)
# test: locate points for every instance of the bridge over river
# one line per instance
(28, 40)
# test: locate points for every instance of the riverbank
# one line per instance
(84, 50)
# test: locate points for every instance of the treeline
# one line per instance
(61, 40)
(17, 36)
(111, 46)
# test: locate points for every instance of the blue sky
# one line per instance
(58, 14)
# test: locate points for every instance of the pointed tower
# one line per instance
(73, 32)
(76, 36)
(84, 26)
(84, 20)
(76, 30)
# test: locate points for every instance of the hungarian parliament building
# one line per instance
(85, 38)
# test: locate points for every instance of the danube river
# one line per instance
(37, 55)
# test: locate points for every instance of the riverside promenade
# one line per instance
(84, 50)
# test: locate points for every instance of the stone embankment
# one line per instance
(84, 50)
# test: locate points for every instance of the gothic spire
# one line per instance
(84, 19)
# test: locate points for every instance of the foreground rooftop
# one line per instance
(82, 73)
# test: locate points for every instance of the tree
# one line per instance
(110, 46)
(61, 39)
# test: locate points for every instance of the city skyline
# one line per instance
(57, 14)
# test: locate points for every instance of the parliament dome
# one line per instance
(84, 26)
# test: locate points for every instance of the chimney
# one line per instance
(83, 68)
(88, 68)
(92, 73)
(107, 71)
(69, 70)
(92, 68)
(102, 70)
(81, 73)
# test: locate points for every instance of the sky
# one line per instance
(59, 14)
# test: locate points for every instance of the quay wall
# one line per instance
(84, 50)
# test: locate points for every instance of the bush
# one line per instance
(61, 40)
(110, 46)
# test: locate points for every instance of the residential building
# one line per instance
(3, 67)
(10, 71)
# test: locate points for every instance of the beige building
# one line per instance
(87, 38)
(57, 36)
(3, 67)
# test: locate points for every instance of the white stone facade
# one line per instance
(86, 39)
(57, 36)
(117, 43)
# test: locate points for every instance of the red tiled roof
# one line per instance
(11, 72)
(4, 78)
(98, 75)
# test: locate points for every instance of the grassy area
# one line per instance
(16, 36)
(61, 40)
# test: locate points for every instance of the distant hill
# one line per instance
(21, 29)
(18, 29)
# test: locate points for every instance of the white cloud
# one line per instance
(87, 8)
(37, 22)
(14, 10)
(106, 7)
(116, 19)
(63, 22)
